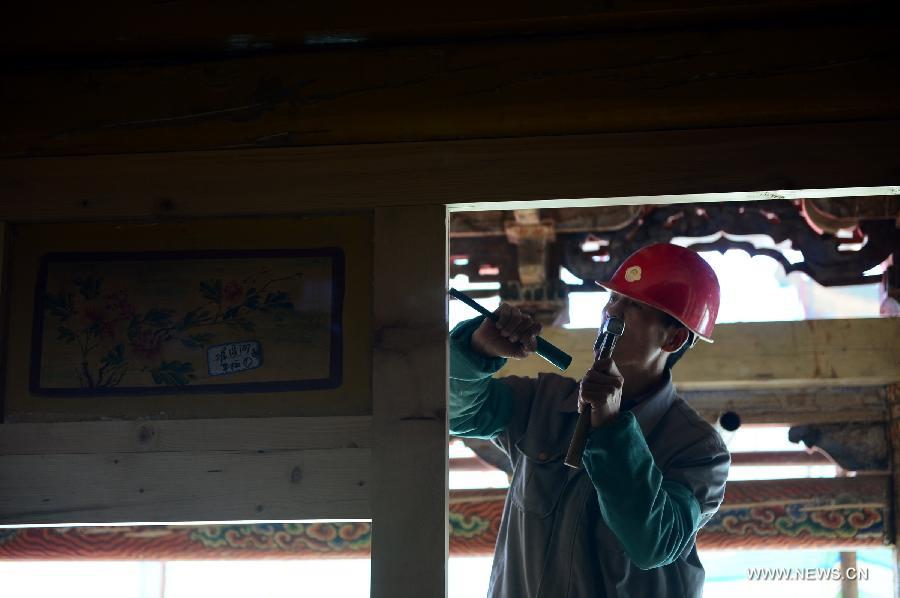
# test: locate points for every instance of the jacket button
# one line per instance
(542, 456)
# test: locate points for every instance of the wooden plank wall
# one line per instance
(351, 232)
(391, 467)
(261, 469)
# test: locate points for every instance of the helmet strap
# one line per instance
(673, 358)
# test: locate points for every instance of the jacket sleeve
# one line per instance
(480, 406)
(655, 518)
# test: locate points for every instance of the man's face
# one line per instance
(645, 331)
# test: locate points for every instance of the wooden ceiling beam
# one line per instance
(60, 31)
(792, 406)
(748, 75)
(741, 164)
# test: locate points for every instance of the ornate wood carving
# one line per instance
(855, 446)
(781, 220)
(591, 245)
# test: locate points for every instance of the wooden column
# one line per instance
(893, 404)
(409, 468)
(850, 578)
(849, 567)
(4, 303)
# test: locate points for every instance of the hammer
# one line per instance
(613, 328)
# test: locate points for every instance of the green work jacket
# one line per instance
(622, 526)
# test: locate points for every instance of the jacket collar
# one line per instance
(647, 412)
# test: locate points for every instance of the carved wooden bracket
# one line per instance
(854, 447)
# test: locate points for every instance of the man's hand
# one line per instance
(514, 334)
(601, 388)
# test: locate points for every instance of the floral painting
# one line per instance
(144, 323)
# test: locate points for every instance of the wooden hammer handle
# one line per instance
(579, 438)
(612, 331)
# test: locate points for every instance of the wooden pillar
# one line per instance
(893, 405)
(4, 315)
(409, 469)
(849, 584)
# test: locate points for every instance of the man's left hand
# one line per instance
(601, 387)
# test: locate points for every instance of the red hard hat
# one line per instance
(674, 280)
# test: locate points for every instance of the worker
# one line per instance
(624, 525)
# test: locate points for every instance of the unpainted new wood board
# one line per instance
(180, 436)
(810, 353)
(79, 489)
